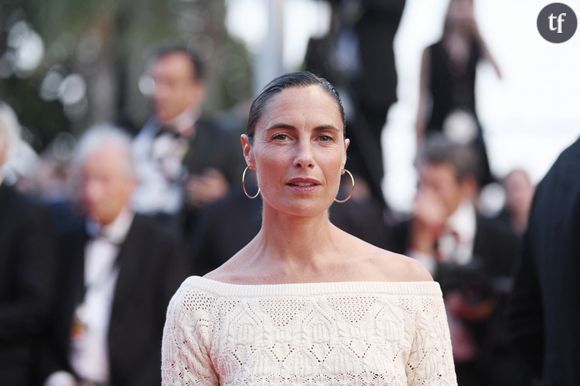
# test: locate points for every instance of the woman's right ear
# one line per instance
(247, 151)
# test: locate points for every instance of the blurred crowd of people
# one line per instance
(96, 237)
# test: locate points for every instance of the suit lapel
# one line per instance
(480, 239)
(73, 269)
(128, 262)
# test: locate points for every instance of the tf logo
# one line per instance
(557, 22)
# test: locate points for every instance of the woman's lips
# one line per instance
(303, 184)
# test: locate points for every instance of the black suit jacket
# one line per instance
(27, 260)
(544, 312)
(211, 147)
(151, 267)
(215, 147)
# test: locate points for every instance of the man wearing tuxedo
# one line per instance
(469, 255)
(27, 277)
(543, 312)
(118, 272)
(184, 160)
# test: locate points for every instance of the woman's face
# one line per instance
(461, 14)
(298, 151)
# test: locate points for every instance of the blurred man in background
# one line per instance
(118, 271)
(543, 310)
(184, 161)
(471, 257)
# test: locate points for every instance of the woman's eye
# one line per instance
(280, 137)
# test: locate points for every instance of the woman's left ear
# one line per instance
(346, 144)
(247, 151)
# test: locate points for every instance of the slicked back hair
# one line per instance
(286, 81)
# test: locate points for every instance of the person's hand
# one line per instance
(430, 211)
(60, 378)
(205, 188)
(454, 302)
(481, 311)
(429, 219)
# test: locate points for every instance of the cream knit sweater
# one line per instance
(348, 333)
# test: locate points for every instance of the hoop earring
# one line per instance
(351, 190)
(244, 186)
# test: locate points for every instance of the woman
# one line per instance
(447, 83)
(304, 302)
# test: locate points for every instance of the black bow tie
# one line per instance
(95, 233)
(166, 131)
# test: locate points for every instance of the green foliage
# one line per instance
(110, 39)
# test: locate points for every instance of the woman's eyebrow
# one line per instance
(287, 126)
(326, 127)
(280, 126)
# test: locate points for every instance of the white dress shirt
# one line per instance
(89, 349)
(159, 164)
(456, 242)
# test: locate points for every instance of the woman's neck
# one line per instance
(290, 242)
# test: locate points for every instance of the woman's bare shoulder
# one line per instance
(385, 265)
(235, 270)
(390, 266)
(228, 272)
(399, 267)
(218, 274)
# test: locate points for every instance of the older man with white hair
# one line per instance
(118, 273)
(27, 256)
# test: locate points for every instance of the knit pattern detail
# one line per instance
(352, 333)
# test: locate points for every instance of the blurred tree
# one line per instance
(93, 54)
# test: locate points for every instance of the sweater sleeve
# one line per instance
(431, 361)
(186, 335)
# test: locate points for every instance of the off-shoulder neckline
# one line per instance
(310, 288)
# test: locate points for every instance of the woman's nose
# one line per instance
(304, 157)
